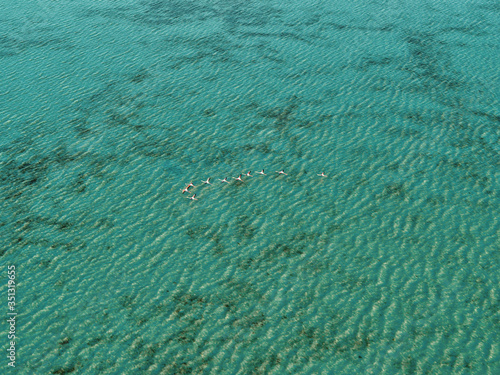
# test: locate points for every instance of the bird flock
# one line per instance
(225, 180)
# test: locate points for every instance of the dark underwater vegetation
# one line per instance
(388, 265)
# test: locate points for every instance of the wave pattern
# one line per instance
(389, 265)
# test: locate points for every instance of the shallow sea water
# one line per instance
(389, 265)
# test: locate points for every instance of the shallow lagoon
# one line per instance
(388, 265)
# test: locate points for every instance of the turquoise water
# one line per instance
(389, 265)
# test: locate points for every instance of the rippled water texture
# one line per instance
(389, 265)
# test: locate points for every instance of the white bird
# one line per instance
(281, 172)
(322, 174)
(224, 180)
(193, 198)
(248, 174)
(187, 188)
(238, 178)
(207, 181)
(261, 172)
